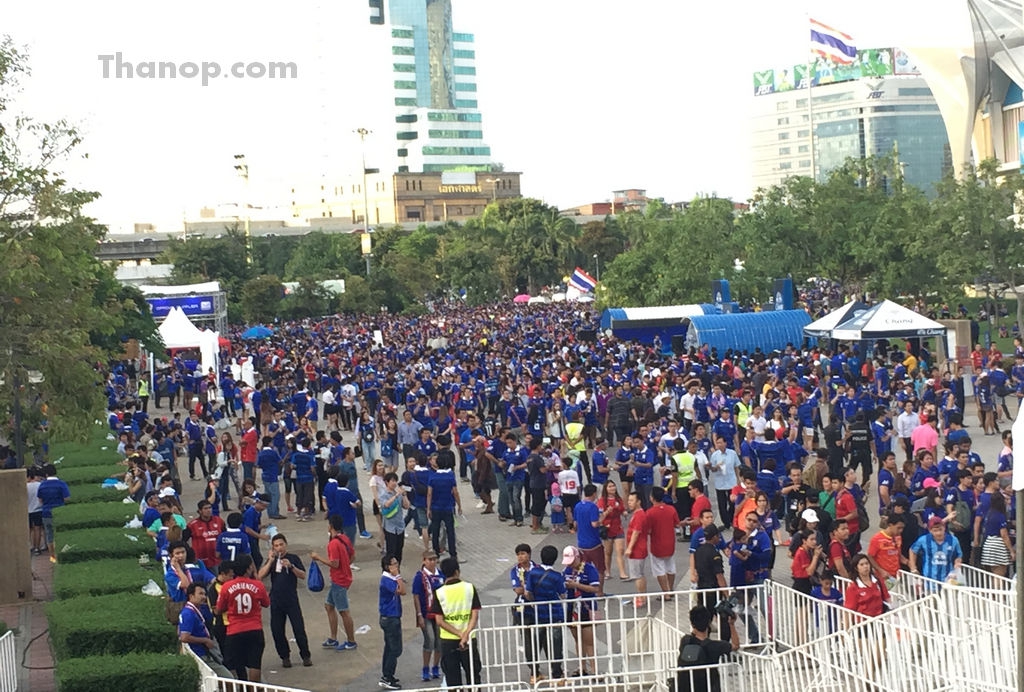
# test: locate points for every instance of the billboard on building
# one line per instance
(190, 305)
(904, 64)
(871, 62)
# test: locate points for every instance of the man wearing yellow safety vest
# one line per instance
(574, 439)
(684, 460)
(744, 407)
(456, 609)
(144, 393)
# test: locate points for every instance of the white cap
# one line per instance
(166, 492)
(809, 515)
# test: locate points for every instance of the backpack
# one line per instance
(862, 513)
(962, 515)
(693, 652)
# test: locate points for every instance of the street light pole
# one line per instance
(242, 168)
(597, 266)
(363, 132)
(494, 188)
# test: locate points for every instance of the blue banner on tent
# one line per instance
(782, 294)
(190, 305)
(720, 294)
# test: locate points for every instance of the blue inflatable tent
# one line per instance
(642, 324)
(746, 331)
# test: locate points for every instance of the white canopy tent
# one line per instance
(178, 331)
(823, 326)
(887, 320)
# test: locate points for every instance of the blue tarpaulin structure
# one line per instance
(746, 331)
(643, 324)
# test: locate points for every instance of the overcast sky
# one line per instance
(582, 96)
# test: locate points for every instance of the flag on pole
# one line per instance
(582, 281)
(833, 45)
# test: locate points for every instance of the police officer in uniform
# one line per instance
(456, 609)
(859, 441)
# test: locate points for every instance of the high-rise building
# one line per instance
(878, 106)
(436, 111)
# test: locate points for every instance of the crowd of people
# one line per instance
(616, 442)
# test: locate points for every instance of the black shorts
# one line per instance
(569, 501)
(538, 501)
(245, 649)
(35, 518)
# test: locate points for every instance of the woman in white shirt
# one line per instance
(758, 423)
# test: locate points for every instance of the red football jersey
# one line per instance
(244, 600)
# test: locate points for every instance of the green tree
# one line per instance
(261, 297)
(309, 299)
(357, 298)
(60, 312)
(976, 227)
(212, 259)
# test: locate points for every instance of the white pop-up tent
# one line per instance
(823, 326)
(209, 351)
(887, 320)
(178, 331)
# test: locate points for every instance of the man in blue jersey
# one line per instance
(936, 554)
(52, 493)
(233, 542)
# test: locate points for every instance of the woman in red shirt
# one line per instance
(614, 536)
(805, 562)
(866, 595)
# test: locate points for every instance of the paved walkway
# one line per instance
(29, 622)
(485, 547)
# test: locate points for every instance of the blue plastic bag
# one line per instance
(314, 578)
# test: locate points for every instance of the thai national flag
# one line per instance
(831, 44)
(582, 281)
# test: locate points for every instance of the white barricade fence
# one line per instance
(623, 639)
(210, 682)
(797, 618)
(976, 578)
(8, 663)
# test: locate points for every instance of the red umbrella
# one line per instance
(522, 298)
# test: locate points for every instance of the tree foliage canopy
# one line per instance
(61, 310)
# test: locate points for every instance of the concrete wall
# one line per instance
(16, 574)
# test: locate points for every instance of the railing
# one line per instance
(625, 637)
(210, 682)
(8, 663)
(798, 618)
(976, 578)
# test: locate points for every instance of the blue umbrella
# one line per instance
(257, 332)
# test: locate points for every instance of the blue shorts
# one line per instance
(338, 598)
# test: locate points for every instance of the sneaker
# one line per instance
(53, 560)
(425, 676)
(330, 644)
(435, 673)
(480, 504)
(307, 662)
(389, 684)
(345, 646)
(286, 663)
(365, 534)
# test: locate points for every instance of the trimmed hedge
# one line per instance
(150, 672)
(111, 515)
(102, 544)
(102, 577)
(90, 475)
(114, 624)
(84, 458)
(83, 494)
